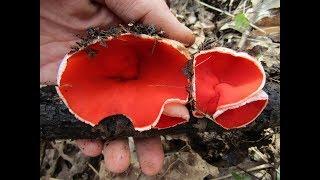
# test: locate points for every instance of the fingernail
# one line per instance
(186, 117)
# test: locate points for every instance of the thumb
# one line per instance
(154, 12)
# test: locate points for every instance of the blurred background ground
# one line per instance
(248, 25)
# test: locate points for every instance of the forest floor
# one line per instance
(252, 26)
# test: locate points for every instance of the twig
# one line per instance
(229, 14)
(214, 8)
(257, 28)
(169, 167)
(257, 40)
(94, 170)
(179, 172)
(187, 145)
(256, 150)
(61, 153)
(249, 173)
(262, 156)
(185, 4)
(243, 39)
(244, 6)
(260, 167)
(230, 5)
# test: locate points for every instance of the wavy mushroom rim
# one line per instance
(234, 53)
(155, 122)
(175, 44)
(261, 96)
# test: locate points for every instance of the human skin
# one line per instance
(60, 20)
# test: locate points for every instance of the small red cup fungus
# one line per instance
(227, 85)
(133, 75)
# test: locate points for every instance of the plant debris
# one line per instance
(93, 34)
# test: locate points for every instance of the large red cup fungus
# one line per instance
(132, 75)
(141, 77)
(228, 87)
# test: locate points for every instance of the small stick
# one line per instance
(61, 153)
(247, 172)
(93, 169)
(230, 5)
(257, 40)
(169, 167)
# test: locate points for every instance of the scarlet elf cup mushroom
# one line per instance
(138, 76)
(228, 87)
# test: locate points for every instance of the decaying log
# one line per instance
(56, 122)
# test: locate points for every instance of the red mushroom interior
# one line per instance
(224, 78)
(131, 75)
(241, 116)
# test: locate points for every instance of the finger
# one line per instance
(176, 110)
(154, 12)
(117, 155)
(89, 147)
(150, 154)
(74, 15)
(48, 73)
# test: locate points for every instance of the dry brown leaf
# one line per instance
(187, 165)
(263, 10)
(270, 57)
(272, 20)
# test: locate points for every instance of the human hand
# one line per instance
(60, 20)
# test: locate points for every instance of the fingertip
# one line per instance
(117, 155)
(150, 155)
(185, 35)
(176, 110)
(153, 12)
(89, 147)
(166, 21)
(190, 38)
